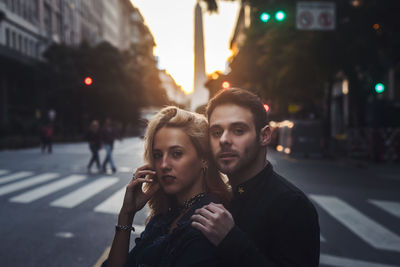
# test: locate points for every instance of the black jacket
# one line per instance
(275, 225)
(184, 247)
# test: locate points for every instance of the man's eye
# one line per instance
(238, 131)
(216, 133)
(177, 154)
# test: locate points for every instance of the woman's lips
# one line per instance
(168, 179)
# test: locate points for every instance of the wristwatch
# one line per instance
(124, 228)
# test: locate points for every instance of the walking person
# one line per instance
(94, 139)
(270, 221)
(46, 138)
(108, 136)
(178, 178)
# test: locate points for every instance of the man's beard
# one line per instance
(243, 163)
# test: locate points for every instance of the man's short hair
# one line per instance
(242, 98)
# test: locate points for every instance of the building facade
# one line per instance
(29, 27)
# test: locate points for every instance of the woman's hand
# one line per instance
(135, 198)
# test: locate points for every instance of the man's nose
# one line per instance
(225, 138)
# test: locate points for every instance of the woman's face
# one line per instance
(177, 164)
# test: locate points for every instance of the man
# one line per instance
(270, 222)
(108, 136)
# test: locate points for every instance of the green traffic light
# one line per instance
(265, 17)
(379, 88)
(280, 15)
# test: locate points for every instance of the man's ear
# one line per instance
(265, 135)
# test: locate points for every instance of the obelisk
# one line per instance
(200, 93)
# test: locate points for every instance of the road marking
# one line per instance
(103, 257)
(112, 204)
(76, 197)
(346, 262)
(3, 172)
(321, 238)
(14, 177)
(45, 190)
(27, 183)
(368, 230)
(388, 206)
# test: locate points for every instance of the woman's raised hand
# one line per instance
(135, 198)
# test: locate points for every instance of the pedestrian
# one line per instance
(270, 221)
(178, 178)
(46, 137)
(94, 139)
(108, 135)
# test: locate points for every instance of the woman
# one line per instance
(178, 179)
(94, 139)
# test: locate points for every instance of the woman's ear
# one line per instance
(265, 135)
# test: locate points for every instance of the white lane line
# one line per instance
(112, 204)
(388, 206)
(368, 230)
(27, 183)
(45, 190)
(14, 177)
(3, 172)
(76, 197)
(346, 262)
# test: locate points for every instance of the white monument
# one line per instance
(200, 93)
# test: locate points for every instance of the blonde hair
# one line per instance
(196, 127)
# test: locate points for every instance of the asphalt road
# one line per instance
(55, 214)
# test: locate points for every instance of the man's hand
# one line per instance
(214, 221)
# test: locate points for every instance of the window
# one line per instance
(25, 46)
(19, 48)
(14, 40)
(8, 41)
(47, 19)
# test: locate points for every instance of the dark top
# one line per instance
(94, 138)
(275, 225)
(108, 135)
(184, 247)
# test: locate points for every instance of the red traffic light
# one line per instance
(266, 107)
(226, 85)
(88, 81)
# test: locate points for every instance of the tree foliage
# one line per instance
(122, 83)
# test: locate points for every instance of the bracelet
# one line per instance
(124, 228)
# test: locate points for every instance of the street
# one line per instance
(53, 213)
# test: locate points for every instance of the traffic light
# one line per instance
(379, 88)
(264, 17)
(280, 15)
(267, 108)
(88, 81)
(226, 85)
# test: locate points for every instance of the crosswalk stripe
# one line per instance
(14, 177)
(76, 197)
(346, 262)
(45, 190)
(388, 206)
(27, 183)
(368, 230)
(112, 204)
(3, 172)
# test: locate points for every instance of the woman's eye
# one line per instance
(157, 155)
(177, 154)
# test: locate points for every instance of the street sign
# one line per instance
(315, 16)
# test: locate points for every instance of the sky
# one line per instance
(171, 23)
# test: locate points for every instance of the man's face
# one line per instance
(233, 138)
